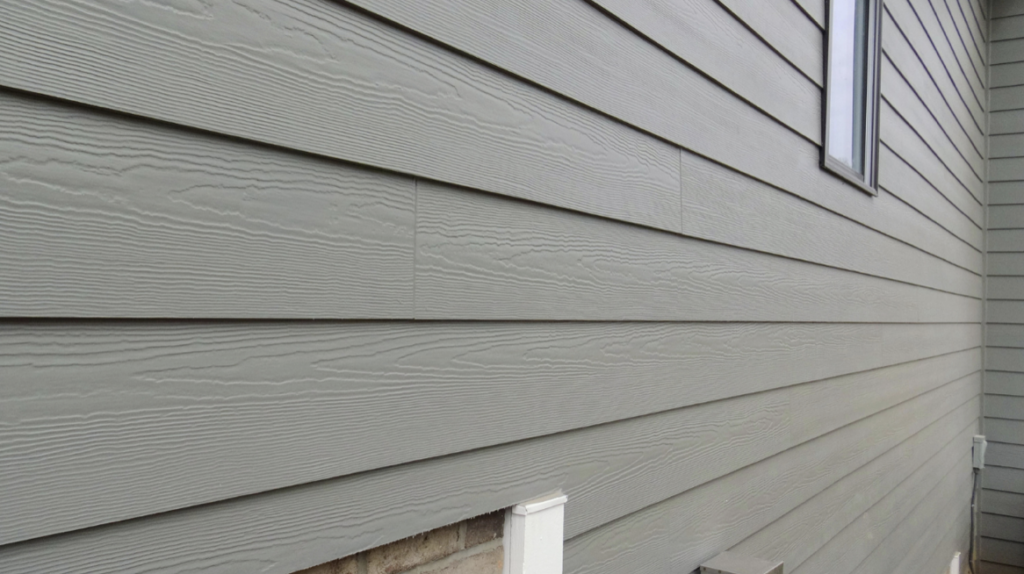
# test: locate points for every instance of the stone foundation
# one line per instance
(472, 546)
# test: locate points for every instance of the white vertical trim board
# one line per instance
(533, 536)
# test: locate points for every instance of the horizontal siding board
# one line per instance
(1003, 454)
(1008, 145)
(814, 9)
(1008, 431)
(965, 165)
(897, 177)
(1009, 28)
(1009, 263)
(993, 568)
(727, 207)
(1006, 216)
(997, 335)
(1004, 359)
(1006, 8)
(966, 135)
(484, 257)
(1005, 312)
(918, 22)
(1007, 51)
(1006, 288)
(108, 217)
(341, 84)
(715, 43)
(1006, 192)
(901, 138)
(1002, 503)
(288, 529)
(1001, 551)
(1004, 407)
(881, 485)
(1010, 122)
(1006, 169)
(1002, 527)
(935, 526)
(221, 102)
(297, 403)
(686, 530)
(1008, 98)
(1004, 383)
(787, 30)
(1003, 75)
(969, 59)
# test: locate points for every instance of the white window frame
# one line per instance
(868, 182)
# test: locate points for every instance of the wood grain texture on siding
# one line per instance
(910, 65)
(1002, 551)
(918, 24)
(682, 532)
(1003, 454)
(1002, 503)
(317, 76)
(928, 556)
(108, 217)
(897, 177)
(594, 53)
(242, 385)
(787, 30)
(288, 529)
(485, 257)
(632, 185)
(727, 207)
(823, 526)
(1002, 527)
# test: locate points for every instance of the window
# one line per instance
(851, 92)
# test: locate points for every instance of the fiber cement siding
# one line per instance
(287, 280)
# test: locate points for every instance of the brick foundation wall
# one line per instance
(472, 546)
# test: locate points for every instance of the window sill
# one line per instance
(846, 174)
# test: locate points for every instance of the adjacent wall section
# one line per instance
(1002, 500)
(282, 281)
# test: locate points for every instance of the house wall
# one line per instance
(1002, 497)
(287, 280)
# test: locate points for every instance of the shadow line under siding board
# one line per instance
(1002, 527)
(729, 208)
(338, 83)
(293, 403)
(1001, 551)
(897, 177)
(1010, 28)
(346, 515)
(1006, 8)
(1002, 503)
(938, 58)
(572, 48)
(958, 33)
(481, 257)
(813, 9)
(680, 533)
(942, 32)
(966, 135)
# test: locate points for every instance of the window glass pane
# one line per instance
(847, 90)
